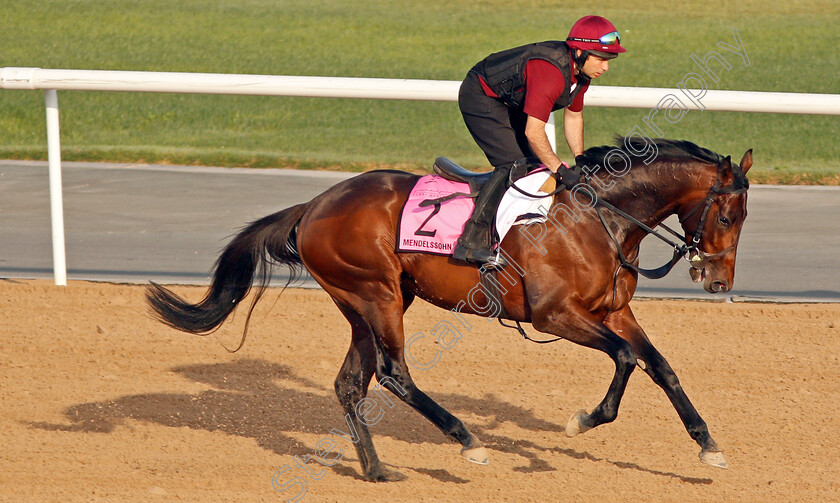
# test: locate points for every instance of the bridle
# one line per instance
(691, 251)
(697, 257)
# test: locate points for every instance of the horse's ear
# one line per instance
(725, 170)
(746, 161)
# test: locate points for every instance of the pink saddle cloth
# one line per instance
(435, 228)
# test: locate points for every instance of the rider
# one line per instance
(506, 100)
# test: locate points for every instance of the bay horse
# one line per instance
(574, 283)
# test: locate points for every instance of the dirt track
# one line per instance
(101, 403)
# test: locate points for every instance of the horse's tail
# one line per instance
(246, 260)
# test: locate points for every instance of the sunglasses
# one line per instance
(608, 39)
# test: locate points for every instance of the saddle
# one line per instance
(446, 168)
(451, 171)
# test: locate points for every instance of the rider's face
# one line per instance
(595, 66)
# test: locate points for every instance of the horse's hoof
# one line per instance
(383, 475)
(575, 425)
(477, 455)
(714, 458)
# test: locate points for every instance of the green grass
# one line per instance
(397, 39)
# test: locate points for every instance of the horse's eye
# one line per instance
(724, 221)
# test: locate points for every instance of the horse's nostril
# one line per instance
(719, 286)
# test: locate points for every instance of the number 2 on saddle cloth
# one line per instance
(436, 228)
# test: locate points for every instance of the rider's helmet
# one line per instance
(594, 35)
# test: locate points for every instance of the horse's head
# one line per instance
(713, 226)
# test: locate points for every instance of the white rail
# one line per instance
(394, 89)
(51, 81)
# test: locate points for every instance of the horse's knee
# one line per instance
(394, 375)
(662, 374)
(342, 384)
(625, 358)
(670, 380)
(399, 387)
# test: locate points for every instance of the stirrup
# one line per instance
(484, 257)
(498, 262)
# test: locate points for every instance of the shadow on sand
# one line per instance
(266, 401)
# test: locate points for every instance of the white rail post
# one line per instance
(56, 201)
(551, 132)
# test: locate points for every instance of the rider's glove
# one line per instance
(569, 177)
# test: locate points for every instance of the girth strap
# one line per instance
(490, 287)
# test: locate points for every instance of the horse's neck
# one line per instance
(651, 196)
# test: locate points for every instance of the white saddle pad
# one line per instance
(518, 209)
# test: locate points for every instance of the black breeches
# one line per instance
(496, 128)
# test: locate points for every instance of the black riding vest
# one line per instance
(504, 72)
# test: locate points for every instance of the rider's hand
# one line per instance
(569, 177)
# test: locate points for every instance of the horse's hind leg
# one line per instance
(392, 372)
(351, 387)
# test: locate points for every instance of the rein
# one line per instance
(691, 252)
(680, 249)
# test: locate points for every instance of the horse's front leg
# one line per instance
(572, 322)
(654, 364)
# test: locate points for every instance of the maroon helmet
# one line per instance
(595, 35)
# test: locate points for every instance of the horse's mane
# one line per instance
(648, 157)
(667, 150)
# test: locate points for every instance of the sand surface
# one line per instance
(100, 402)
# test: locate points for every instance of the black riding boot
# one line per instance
(476, 243)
